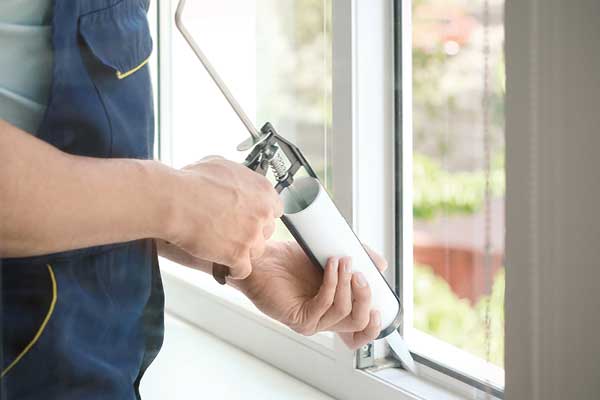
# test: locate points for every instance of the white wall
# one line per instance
(553, 215)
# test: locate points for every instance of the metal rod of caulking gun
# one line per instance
(213, 73)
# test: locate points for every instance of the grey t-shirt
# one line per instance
(25, 61)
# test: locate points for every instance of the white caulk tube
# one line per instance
(314, 220)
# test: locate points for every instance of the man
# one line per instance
(85, 211)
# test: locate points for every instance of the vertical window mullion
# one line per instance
(403, 156)
(363, 126)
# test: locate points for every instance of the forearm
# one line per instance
(52, 201)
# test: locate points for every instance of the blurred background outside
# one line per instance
(452, 284)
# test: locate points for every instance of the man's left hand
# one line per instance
(288, 287)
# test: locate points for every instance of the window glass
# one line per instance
(458, 177)
(275, 56)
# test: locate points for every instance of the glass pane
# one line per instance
(458, 172)
(274, 55)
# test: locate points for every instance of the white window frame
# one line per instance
(363, 175)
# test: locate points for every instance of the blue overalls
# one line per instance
(85, 324)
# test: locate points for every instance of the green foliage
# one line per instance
(440, 313)
(436, 191)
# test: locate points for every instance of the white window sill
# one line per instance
(196, 364)
(454, 358)
(416, 386)
(224, 315)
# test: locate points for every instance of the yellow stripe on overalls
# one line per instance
(123, 75)
(41, 328)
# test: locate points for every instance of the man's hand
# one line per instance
(224, 213)
(285, 285)
(51, 201)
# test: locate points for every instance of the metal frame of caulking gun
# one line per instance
(268, 149)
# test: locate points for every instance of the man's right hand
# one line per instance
(223, 212)
(52, 201)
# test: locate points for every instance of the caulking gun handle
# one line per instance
(220, 272)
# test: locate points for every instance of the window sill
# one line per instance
(195, 364)
(230, 317)
(460, 361)
(419, 388)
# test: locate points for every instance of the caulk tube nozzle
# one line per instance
(322, 231)
(401, 350)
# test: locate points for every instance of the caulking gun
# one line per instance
(309, 213)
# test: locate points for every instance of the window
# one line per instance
(454, 273)
(322, 71)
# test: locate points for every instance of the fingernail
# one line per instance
(334, 263)
(360, 280)
(348, 266)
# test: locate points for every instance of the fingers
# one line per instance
(362, 302)
(342, 302)
(275, 201)
(323, 300)
(271, 198)
(371, 332)
(361, 306)
(380, 262)
(230, 225)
